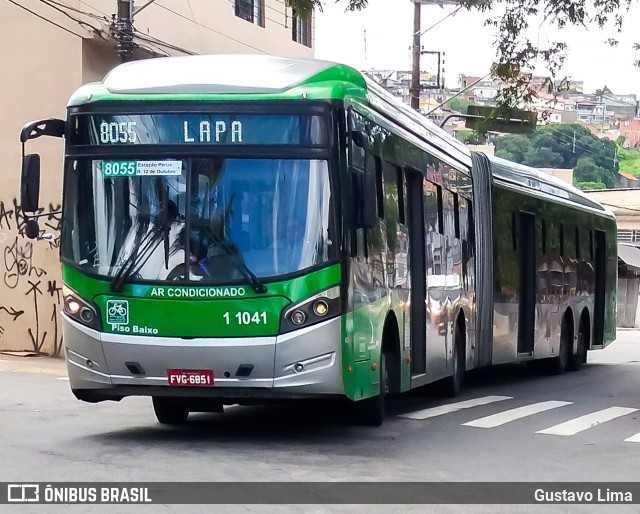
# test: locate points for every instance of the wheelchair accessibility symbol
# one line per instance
(117, 312)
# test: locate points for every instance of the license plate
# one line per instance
(190, 377)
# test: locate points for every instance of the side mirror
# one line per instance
(30, 184)
(32, 229)
(366, 199)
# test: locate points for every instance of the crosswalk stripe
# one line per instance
(633, 438)
(507, 416)
(453, 407)
(573, 426)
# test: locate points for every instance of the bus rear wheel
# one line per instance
(453, 384)
(170, 411)
(575, 360)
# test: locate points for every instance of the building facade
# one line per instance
(625, 204)
(54, 48)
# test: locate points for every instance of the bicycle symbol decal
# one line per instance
(117, 312)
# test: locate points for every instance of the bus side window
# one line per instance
(585, 253)
(401, 205)
(456, 215)
(431, 204)
(543, 236)
(391, 207)
(440, 210)
(379, 188)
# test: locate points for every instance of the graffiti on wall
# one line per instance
(32, 296)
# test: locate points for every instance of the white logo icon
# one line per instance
(23, 493)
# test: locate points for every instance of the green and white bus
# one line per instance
(243, 229)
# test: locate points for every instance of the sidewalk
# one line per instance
(41, 365)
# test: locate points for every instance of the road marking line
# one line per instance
(513, 414)
(633, 438)
(62, 378)
(453, 407)
(573, 426)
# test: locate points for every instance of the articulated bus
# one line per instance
(246, 229)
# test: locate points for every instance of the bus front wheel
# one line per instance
(170, 411)
(371, 411)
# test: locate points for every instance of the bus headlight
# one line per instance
(80, 310)
(309, 311)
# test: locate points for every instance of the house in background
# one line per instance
(51, 50)
(625, 204)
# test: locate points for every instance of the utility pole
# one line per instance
(574, 141)
(122, 29)
(414, 90)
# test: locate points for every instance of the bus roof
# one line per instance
(268, 77)
(544, 183)
(224, 77)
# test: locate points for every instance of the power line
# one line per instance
(45, 19)
(570, 141)
(79, 11)
(209, 28)
(438, 22)
(62, 11)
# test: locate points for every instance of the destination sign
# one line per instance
(198, 129)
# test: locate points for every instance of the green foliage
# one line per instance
(587, 186)
(471, 137)
(564, 145)
(587, 170)
(458, 104)
(629, 160)
(512, 19)
(513, 147)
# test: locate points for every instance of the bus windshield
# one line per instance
(197, 219)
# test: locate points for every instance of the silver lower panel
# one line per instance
(298, 364)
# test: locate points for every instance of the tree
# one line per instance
(586, 186)
(586, 170)
(471, 137)
(543, 158)
(513, 147)
(515, 51)
(459, 105)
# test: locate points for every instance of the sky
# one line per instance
(387, 26)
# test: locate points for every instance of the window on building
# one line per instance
(301, 30)
(250, 10)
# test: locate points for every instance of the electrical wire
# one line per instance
(209, 28)
(204, 39)
(438, 22)
(79, 11)
(570, 141)
(45, 19)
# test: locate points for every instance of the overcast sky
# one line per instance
(468, 44)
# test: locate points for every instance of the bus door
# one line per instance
(527, 304)
(418, 272)
(599, 300)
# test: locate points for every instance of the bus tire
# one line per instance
(453, 384)
(574, 363)
(558, 365)
(371, 412)
(170, 411)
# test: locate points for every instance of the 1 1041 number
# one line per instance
(246, 318)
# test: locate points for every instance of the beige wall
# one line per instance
(42, 64)
(566, 175)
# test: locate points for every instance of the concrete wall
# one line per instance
(43, 62)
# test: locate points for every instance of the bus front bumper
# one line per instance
(300, 364)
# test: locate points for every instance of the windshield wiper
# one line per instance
(147, 245)
(149, 242)
(249, 275)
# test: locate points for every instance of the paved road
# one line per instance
(510, 424)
